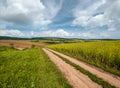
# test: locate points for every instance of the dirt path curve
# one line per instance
(110, 78)
(75, 78)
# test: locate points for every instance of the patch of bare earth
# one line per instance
(110, 78)
(20, 44)
(75, 78)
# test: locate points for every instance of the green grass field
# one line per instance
(103, 54)
(28, 69)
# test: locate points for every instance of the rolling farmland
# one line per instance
(35, 66)
(103, 54)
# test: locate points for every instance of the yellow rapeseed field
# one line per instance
(103, 54)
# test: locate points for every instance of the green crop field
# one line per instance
(103, 54)
(28, 69)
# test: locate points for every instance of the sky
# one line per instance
(87, 19)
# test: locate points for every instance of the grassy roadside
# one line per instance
(29, 69)
(101, 82)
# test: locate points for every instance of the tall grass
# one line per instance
(104, 54)
(28, 69)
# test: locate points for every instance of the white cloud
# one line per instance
(52, 7)
(105, 34)
(12, 32)
(52, 33)
(112, 13)
(57, 33)
(86, 35)
(22, 11)
(28, 12)
(90, 35)
(100, 13)
(84, 16)
(4, 31)
(96, 21)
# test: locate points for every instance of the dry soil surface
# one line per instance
(75, 78)
(20, 44)
(110, 78)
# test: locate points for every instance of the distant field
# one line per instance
(103, 54)
(29, 68)
(20, 43)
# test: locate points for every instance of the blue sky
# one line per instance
(60, 18)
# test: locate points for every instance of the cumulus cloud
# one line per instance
(98, 14)
(4, 31)
(112, 13)
(86, 35)
(57, 33)
(12, 32)
(28, 12)
(85, 16)
(51, 33)
(21, 12)
(90, 35)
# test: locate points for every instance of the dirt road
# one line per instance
(110, 78)
(75, 78)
